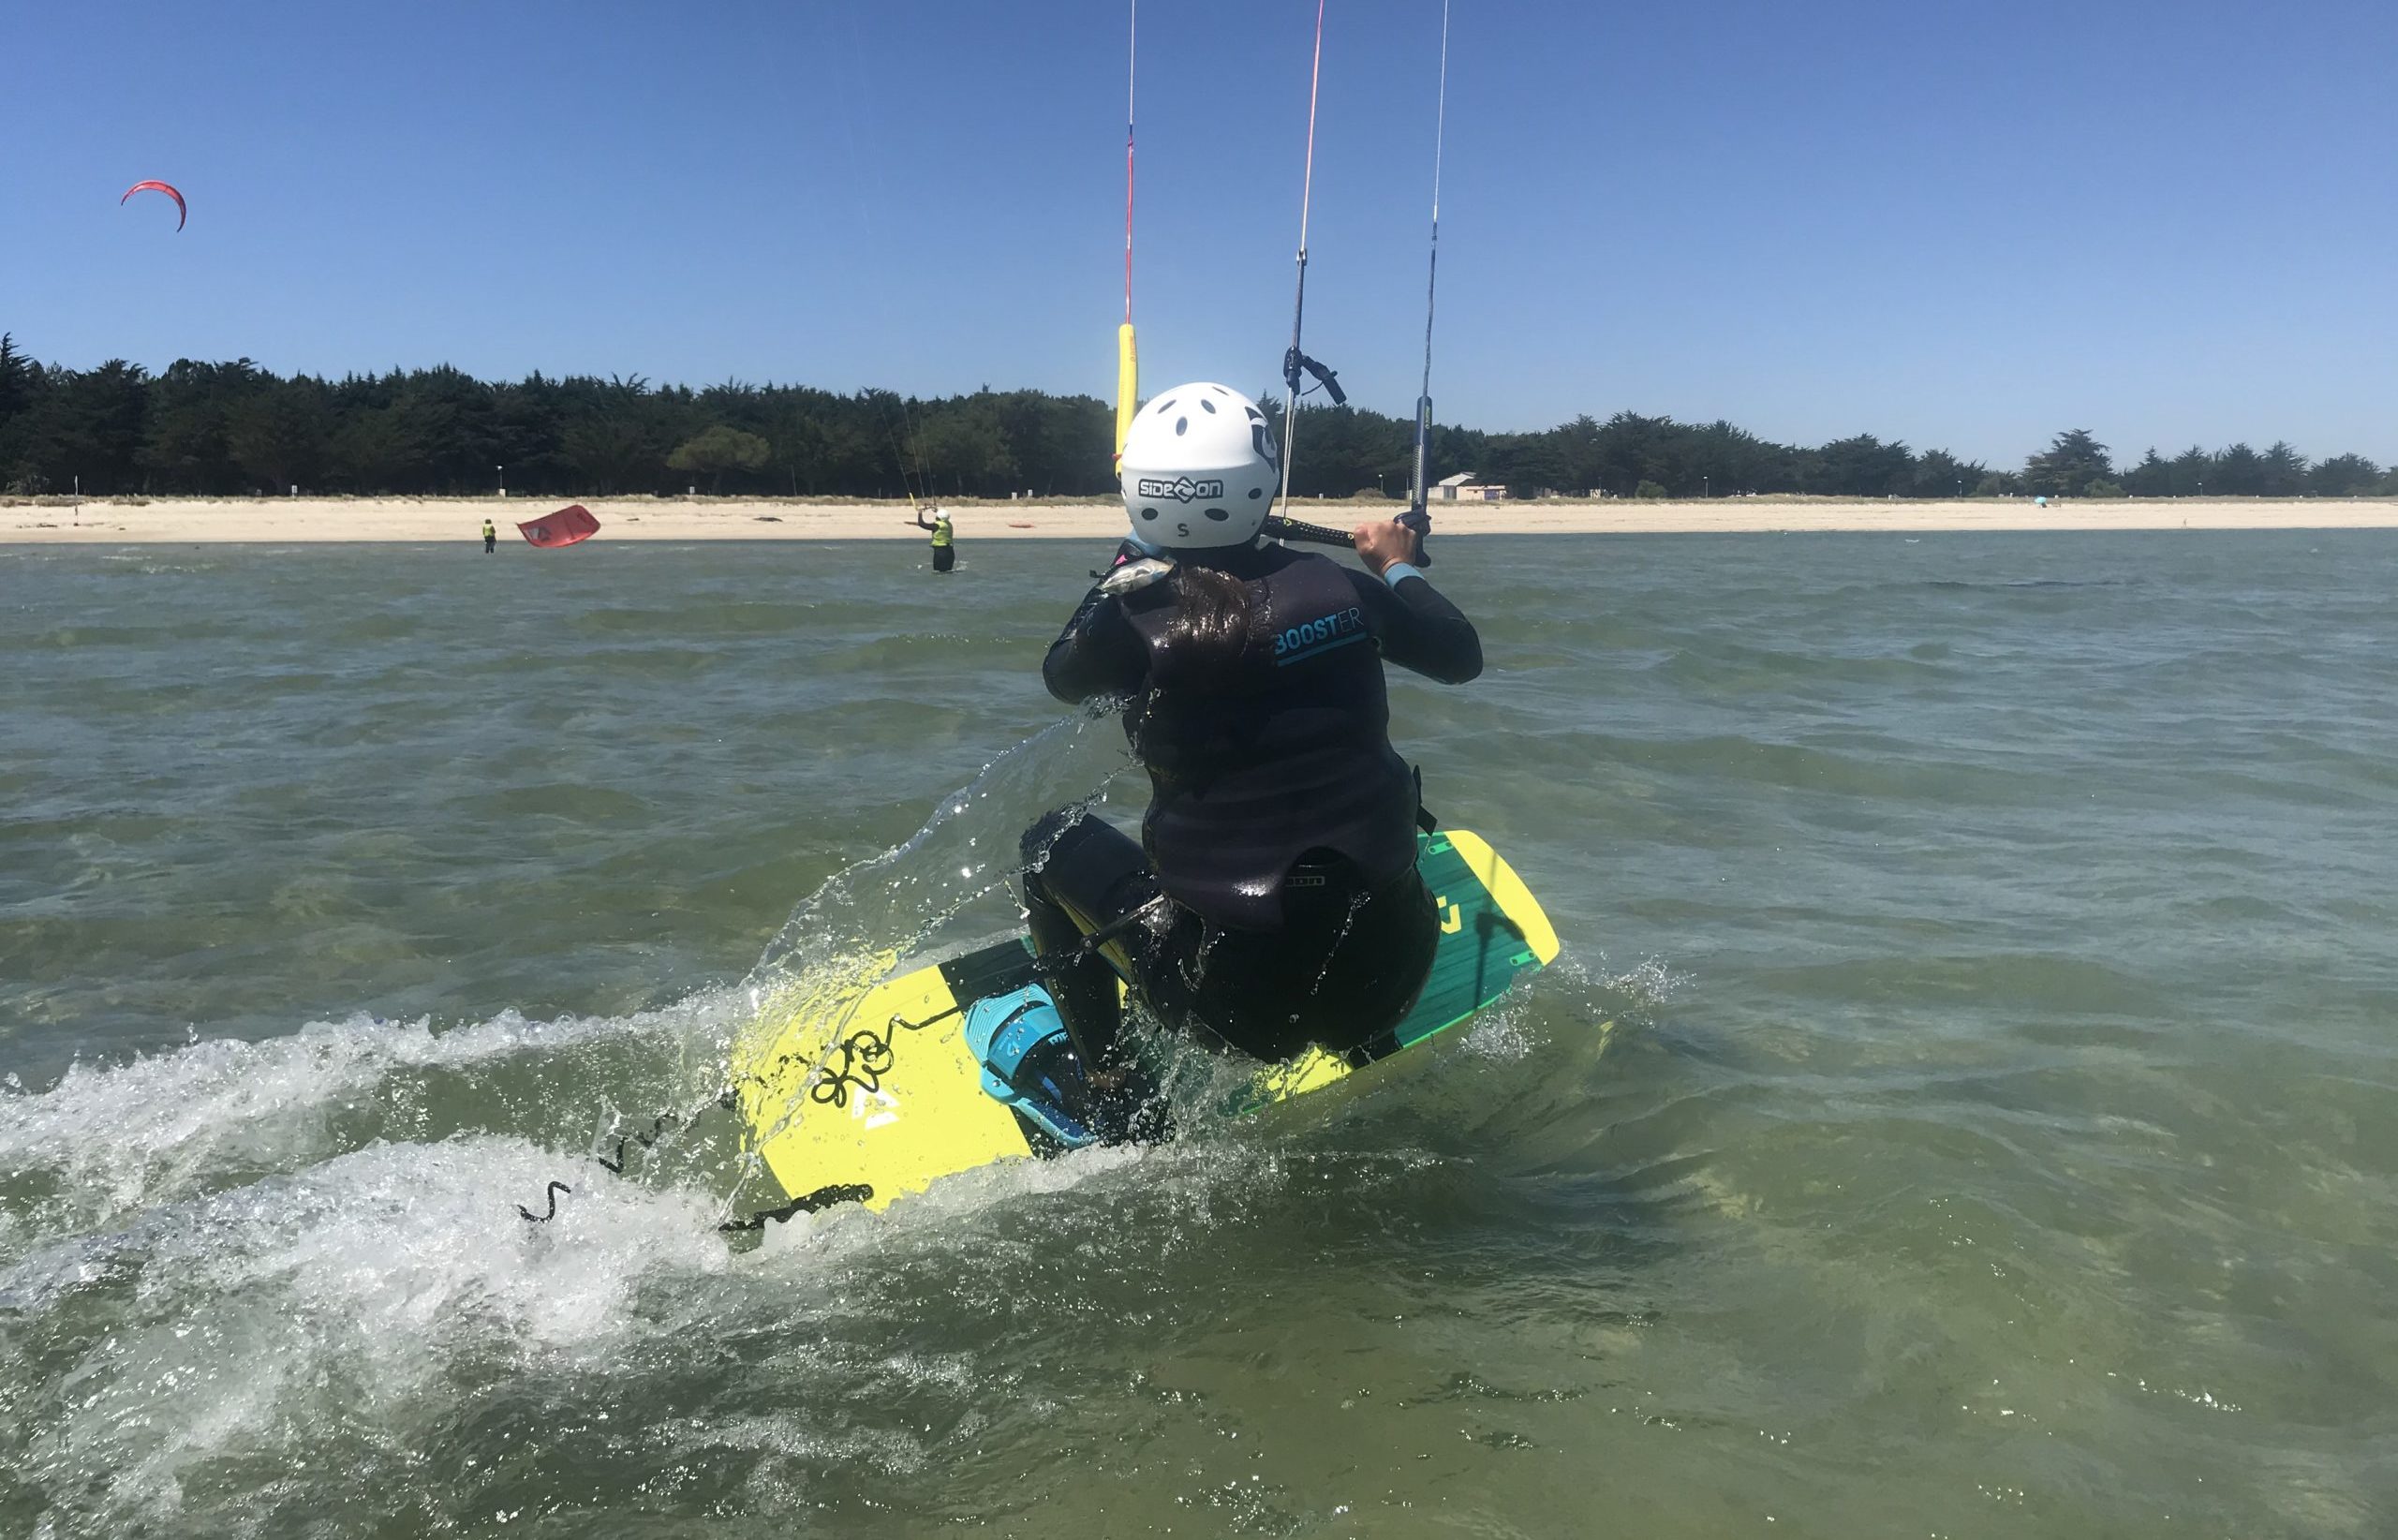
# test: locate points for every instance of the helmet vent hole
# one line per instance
(1256, 492)
(1206, 406)
(1219, 514)
(1181, 426)
(1149, 512)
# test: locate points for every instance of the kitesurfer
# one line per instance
(1272, 901)
(491, 537)
(944, 537)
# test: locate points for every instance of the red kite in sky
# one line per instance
(181, 211)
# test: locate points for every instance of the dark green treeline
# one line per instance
(233, 429)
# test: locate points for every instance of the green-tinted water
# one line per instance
(1998, 1135)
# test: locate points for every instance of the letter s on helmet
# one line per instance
(1199, 469)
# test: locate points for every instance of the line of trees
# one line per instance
(234, 429)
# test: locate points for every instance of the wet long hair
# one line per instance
(1208, 634)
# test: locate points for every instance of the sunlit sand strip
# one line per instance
(278, 521)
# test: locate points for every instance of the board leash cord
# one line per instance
(674, 1118)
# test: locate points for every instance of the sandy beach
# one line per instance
(277, 520)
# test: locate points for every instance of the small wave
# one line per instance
(254, 1324)
(112, 1138)
(328, 1320)
(2035, 583)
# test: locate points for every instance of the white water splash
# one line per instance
(952, 883)
(119, 1136)
(348, 1293)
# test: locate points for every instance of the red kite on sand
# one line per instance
(563, 528)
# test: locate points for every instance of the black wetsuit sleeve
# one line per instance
(1097, 653)
(1417, 629)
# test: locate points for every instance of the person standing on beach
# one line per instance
(944, 537)
(491, 538)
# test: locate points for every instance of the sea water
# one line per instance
(1966, 1104)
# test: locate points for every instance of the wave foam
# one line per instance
(115, 1138)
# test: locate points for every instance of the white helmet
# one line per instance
(1199, 470)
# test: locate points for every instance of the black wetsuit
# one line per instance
(1277, 865)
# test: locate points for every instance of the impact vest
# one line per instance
(941, 533)
(1284, 752)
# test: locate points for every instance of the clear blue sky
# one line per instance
(1963, 224)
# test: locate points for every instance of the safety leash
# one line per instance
(1418, 516)
(1294, 360)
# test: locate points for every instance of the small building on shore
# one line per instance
(1465, 489)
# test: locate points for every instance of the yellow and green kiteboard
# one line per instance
(874, 1095)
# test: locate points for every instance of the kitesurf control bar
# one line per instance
(1281, 529)
(1314, 534)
